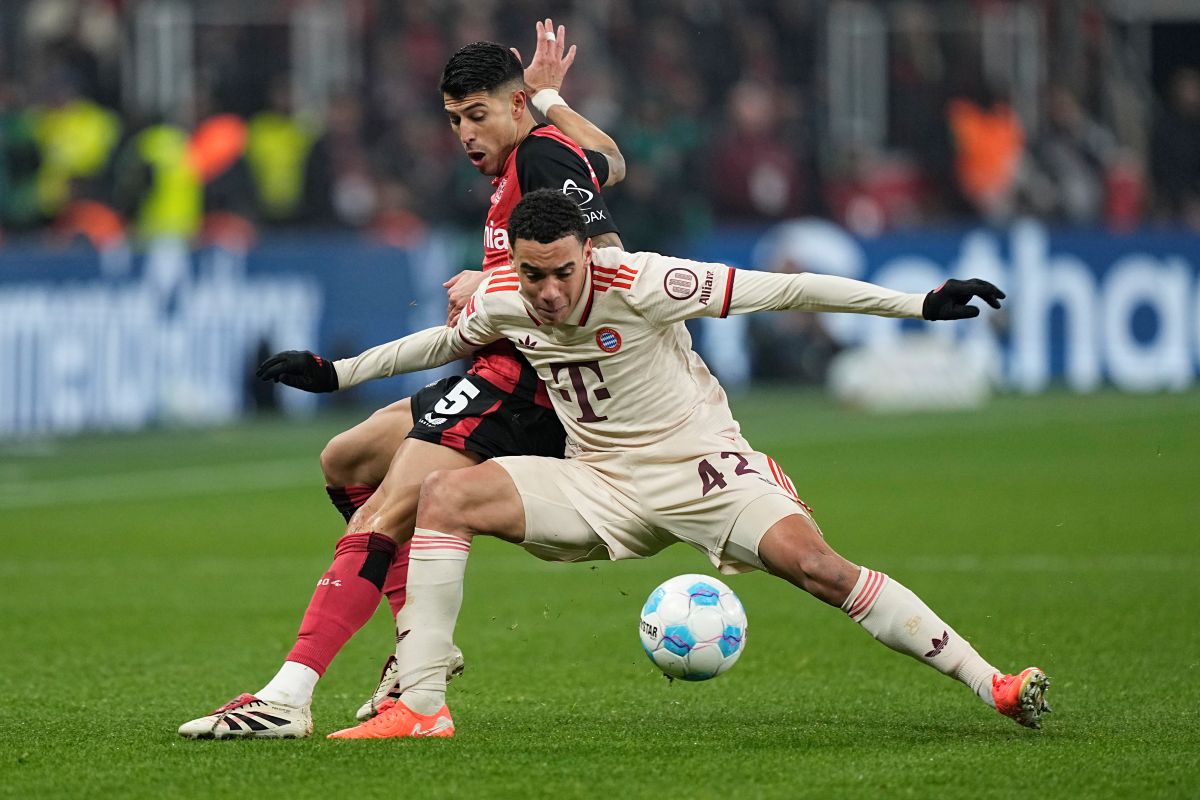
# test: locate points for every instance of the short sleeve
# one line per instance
(599, 163)
(543, 163)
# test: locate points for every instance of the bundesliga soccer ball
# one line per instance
(693, 627)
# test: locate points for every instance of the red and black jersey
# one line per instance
(546, 159)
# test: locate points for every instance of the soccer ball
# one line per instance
(693, 627)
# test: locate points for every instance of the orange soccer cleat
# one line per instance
(1022, 697)
(397, 721)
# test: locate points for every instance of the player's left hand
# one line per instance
(549, 66)
(949, 301)
(459, 290)
(299, 369)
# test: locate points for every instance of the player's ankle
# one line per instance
(424, 701)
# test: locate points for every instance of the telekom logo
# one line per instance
(575, 371)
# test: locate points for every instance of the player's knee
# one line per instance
(337, 461)
(798, 554)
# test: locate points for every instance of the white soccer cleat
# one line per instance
(245, 716)
(389, 689)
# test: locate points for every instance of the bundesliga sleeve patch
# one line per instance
(608, 339)
(680, 283)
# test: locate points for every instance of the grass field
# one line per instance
(147, 579)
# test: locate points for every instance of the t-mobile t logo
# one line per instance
(575, 371)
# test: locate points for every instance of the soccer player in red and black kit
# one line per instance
(374, 471)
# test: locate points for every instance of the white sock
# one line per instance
(437, 566)
(899, 619)
(293, 685)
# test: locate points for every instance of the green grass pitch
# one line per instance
(147, 579)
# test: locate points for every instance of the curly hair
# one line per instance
(480, 67)
(545, 216)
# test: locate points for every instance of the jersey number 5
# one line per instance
(454, 402)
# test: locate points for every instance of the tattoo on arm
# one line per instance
(607, 240)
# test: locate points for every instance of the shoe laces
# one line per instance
(237, 702)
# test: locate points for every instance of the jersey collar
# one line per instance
(583, 309)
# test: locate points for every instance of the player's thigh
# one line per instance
(364, 453)
(480, 500)
(721, 504)
(565, 507)
(391, 510)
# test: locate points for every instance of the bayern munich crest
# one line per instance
(608, 339)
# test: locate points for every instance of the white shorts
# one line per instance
(617, 506)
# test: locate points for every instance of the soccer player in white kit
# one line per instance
(654, 453)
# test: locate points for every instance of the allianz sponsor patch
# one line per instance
(680, 283)
(608, 340)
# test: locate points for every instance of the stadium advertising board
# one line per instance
(1084, 309)
(121, 341)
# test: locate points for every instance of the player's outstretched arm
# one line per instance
(759, 291)
(544, 77)
(425, 349)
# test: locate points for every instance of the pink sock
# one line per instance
(346, 597)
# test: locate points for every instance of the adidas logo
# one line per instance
(527, 342)
(939, 644)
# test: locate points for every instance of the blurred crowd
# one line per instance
(716, 105)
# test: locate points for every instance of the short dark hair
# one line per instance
(545, 216)
(480, 67)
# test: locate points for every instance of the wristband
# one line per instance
(545, 99)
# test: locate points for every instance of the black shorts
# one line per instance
(469, 414)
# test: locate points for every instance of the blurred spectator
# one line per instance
(1175, 159)
(338, 184)
(217, 154)
(76, 138)
(157, 186)
(1071, 160)
(395, 222)
(277, 151)
(873, 192)
(756, 173)
(917, 97)
(663, 141)
(989, 144)
(720, 108)
(20, 161)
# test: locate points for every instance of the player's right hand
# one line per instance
(459, 290)
(299, 369)
(549, 66)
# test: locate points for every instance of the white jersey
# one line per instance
(620, 370)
